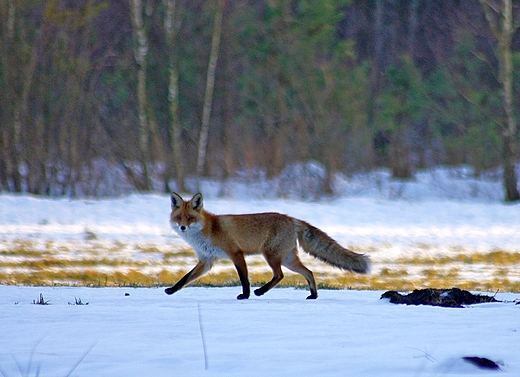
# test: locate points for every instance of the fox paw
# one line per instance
(170, 291)
(242, 296)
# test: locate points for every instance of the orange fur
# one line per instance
(274, 235)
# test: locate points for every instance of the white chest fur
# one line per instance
(201, 244)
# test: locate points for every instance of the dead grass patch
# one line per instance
(51, 262)
(183, 252)
(135, 278)
(386, 272)
(24, 262)
(495, 257)
(149, 249)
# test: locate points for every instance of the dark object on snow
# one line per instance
(482, 362)
(452, 298)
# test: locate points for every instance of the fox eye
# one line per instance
(178, 218)
(191, 218)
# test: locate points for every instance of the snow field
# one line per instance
(132, 234)
(207, 332)
(342, 333)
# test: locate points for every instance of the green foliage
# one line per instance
(117, 88)
(295, 81)
(314, 91)
(404, 100)
(465, 100)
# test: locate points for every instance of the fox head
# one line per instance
(186, 215)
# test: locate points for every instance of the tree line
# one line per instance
(163, 90)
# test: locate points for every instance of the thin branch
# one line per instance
(492, 6)
(489, 17)
(484, 59)
(479, 107)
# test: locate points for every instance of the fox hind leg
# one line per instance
(293, 263)
(276, 266)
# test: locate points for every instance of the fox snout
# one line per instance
(178, 227)
(185, 228)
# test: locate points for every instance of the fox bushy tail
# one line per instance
(318, 244)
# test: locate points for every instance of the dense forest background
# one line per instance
(162, 91)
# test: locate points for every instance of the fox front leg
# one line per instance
(241, 267)
(200, 269)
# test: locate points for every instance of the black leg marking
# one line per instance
(277, 277)
(264, 288)
(196, 272)
(260, 291)
(293, 262)
(244, 280)
(312, 296)
(181, 283)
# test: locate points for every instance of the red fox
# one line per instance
(274, 235)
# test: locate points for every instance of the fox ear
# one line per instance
(177, 201)
(196, 202)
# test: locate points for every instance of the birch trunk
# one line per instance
(12, 148)
(21, 103)
(140, 53)
(503, 31)
(210, 84)
(172, 25)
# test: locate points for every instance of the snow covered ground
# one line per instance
(386, 229)
(356, 221)
(206, 331)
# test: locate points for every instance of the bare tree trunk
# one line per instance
(13, 147)
(413, 22)
(140, 53)
(506, 77)
(378, 35)
(399, 153)
(15, 152)
(503, 31)
(376, 77)
(210, 84)
(172, 24)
